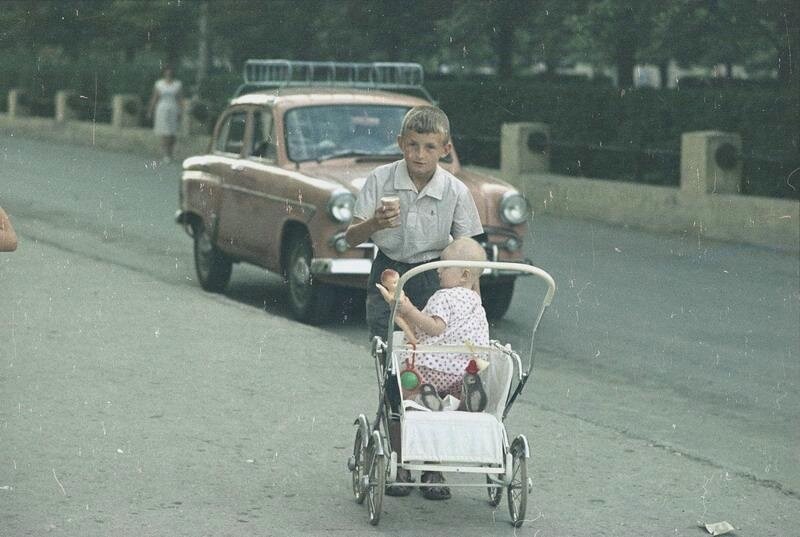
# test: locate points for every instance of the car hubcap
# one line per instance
(204, 249)
(300, 280)
(301, 274)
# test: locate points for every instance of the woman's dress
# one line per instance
(168, 111)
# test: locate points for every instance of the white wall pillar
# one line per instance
(524, 148)
(711, 162)
(125, 110)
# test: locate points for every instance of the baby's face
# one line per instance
(451, 277)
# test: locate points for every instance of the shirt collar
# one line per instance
(434, 188)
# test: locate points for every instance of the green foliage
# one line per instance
(602, 131)
(101, 47)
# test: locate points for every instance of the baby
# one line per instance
(454, 315)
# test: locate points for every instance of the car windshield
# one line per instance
(325, 132)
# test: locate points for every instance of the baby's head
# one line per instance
(463, 249)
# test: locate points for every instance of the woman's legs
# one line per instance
(168, 147)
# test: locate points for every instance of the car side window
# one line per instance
(263, 135)
(231, 135)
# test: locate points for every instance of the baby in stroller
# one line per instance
(454, 315)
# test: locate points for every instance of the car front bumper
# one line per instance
(361, 266)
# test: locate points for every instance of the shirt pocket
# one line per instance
(427, 231)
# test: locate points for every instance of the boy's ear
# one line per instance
(447, 147)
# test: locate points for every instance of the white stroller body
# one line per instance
(448, 441)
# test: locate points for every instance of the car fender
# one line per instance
(200, 198)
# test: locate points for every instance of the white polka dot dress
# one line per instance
(465, 319)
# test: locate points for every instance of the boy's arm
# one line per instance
(466, 220)
(361, 230)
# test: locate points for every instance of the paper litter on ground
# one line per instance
(717, 528)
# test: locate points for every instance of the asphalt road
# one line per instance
(665, 389)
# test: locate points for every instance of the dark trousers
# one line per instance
(418, 290)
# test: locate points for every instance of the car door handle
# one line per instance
(237, 167)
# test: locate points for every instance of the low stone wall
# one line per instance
(137, 140)
(773, 223)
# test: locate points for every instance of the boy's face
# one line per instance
(422, 153)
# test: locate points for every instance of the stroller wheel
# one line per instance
(356, 466)
(495, 493)
(376, 463)
(518, 488)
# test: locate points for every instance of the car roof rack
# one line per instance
(374, 75)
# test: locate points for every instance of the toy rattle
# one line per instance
(410, 379)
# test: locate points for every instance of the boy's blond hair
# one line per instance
(425, 120)
(466, 249)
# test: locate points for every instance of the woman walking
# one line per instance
(167, 103)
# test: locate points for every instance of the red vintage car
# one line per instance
(277, 186)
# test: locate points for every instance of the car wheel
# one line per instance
(497, 298)
(310, 301)
(213, 267)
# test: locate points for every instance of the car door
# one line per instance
(261, 179)
(228, 166)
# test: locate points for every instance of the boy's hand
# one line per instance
(387, 216)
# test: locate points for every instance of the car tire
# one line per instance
(213, 267)
(311, 302)
(496, 298)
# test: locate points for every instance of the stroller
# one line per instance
(471, 443)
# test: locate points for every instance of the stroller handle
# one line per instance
(498, 265)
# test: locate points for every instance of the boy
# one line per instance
(434, 205)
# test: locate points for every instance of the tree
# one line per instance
(614, 31)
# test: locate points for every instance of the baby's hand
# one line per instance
(387, 296)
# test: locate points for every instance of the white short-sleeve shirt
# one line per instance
(429, 219)
(465, 319)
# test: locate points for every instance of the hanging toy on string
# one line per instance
(475, 364)
(410, 378)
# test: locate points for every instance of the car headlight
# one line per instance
(340, 207)
(514, 208)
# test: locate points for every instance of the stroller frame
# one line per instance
(374, 463)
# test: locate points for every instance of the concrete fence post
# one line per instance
(125, 111)
(16, 106)
(711, 162)
(65, 112)
(524, 148)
